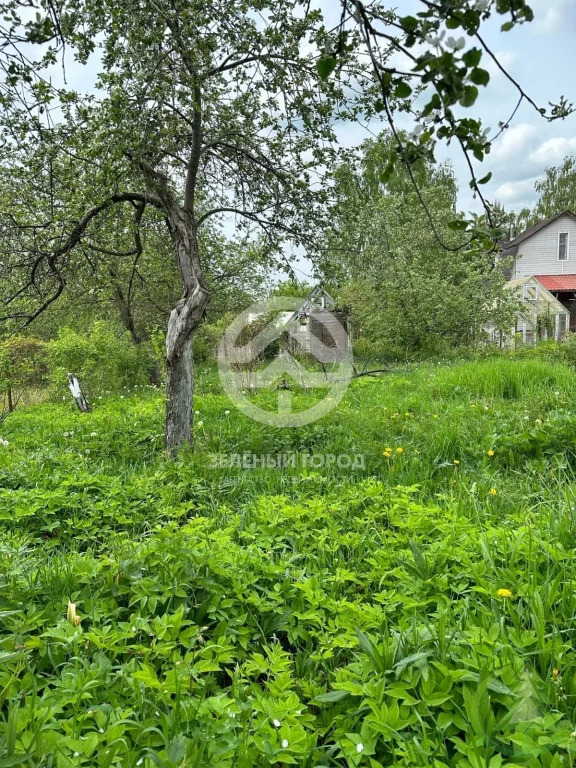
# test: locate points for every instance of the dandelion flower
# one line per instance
(490, 452)
(493, 491)
(359, 748)
(200, 423)
(284, 743)
(456, 461)
(399, 449)
(226, 413)
(93, 434)
(506, 593)
(555, 673)
(435, 416)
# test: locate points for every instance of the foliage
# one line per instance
(407, 293)
(22, 365)
(414, 611)
(101, 358)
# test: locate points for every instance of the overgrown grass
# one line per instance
(314, 614)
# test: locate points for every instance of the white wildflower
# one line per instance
(482, 5)
(93, 434)
(200, 424)
(284, 743)
(276, 723)
(435, 39)
(140, 761)
(456, 45)
(359, 747)
(226, 413)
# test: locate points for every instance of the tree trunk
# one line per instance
(180, 398)
(10, 401)
(186, 316)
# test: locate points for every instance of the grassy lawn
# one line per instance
(410, 604)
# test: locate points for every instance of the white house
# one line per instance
(543, 273)
(547, 251)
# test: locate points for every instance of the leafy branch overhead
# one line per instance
(431, 65)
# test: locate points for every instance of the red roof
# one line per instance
(557, 282)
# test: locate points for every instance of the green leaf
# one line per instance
(469, 95)
(472, 57)
(387, 172)
(485, 179)
(480, 76)
(409, 23)
(452, 23)
(458, 225)
(507, 26)
(402, 90)
(332, 696)
(326, 66)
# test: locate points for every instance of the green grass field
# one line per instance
(416, 609)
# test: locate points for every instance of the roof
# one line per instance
(557, 282)
(545, 298)
(511, 246)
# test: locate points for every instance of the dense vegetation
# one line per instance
(416, 611)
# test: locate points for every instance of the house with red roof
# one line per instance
(546, 254)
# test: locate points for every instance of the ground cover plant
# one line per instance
(413, 608)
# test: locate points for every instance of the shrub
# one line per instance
(22, 364)
(102, 360)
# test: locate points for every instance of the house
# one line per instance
(547, 251)
(315, 327)
(543, 273)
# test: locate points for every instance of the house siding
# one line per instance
(538, 255)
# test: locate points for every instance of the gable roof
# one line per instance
(557, 282)
(545, 296)
(511, 247)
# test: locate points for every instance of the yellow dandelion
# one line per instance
(490, 452)
(399, 449)
(506, 593)
(435, 415)
(456, 461)
(555, 673)
(538, 421)
(493, 491)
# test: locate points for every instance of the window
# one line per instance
(561, 325)
(563, 246)
(530, 292)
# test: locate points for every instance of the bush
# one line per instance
(102, 360)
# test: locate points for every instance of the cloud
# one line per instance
(550, 16)
(515, 143)
(516, 193)
(553, 151)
